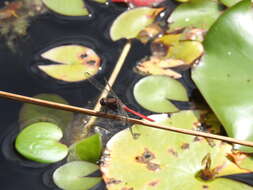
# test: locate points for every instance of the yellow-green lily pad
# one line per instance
(166, 160)
(66, 7)
(73, 62)
(155, 92)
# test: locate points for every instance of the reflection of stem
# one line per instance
(111, 81)
(118, 117)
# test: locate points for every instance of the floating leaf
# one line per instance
(195, 13)
(100, 1)
(74, 61)
(72, 176)
(224, 74)
(157, 66)
(135, 20)
(40, 142)
(163, 159)
(171, 46)
(66, 7)
(88, 149)
(155, 92)
(229, 3)
(31, 113)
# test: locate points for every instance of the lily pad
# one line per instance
(73, 62)
(163, 159)
(224, 75)
(171, 46)
(72, 176)
(135, 19)
(88, 149)
(67, 8)
(140, 3)
(40, 142)
(31, 113)
(155, 92)
(195, 13)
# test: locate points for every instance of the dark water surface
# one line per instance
(17, 75)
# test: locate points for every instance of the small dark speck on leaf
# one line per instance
(153, 166)
(205, 186)
(196, 139)
(173, 152)
(83, 55)
(248, 80)
(112, 181)
(91, 62)
(153, 183)
(228, 75)
(185, 146)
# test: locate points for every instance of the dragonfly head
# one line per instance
(102, 102)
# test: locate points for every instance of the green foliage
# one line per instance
(155, 92)
(71, 176)
(224, 75)
(40, 142)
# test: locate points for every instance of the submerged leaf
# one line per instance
(135, 20)
(224, 75)
(40, 142)
(66, 7)
(164, 159)
(31, 113)
(155, 92)
(72, 176)
(74, 61)
(195, 13)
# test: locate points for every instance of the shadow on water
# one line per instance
(18, 74)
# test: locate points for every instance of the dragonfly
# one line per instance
(114, 103)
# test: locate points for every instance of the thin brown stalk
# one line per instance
(117, 117)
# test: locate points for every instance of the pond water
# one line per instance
(18, 75)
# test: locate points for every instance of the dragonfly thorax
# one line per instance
(111, 103)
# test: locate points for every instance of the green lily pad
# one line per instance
(224, 75)
(229, 3)
(67, 8)
(72, 176)
(40, 142)
(31, 113)
(135, 19)
(73, 62)
(195, 13)
(164, 159)
(155, 92)
(88, 149)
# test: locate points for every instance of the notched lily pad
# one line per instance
(135, 19)
(73, 61)
(195, 13)
(159, 157)
(88, 149)
(73, 176)
(66, 7)
(155, 92)
(40, 142)
(31, 113)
